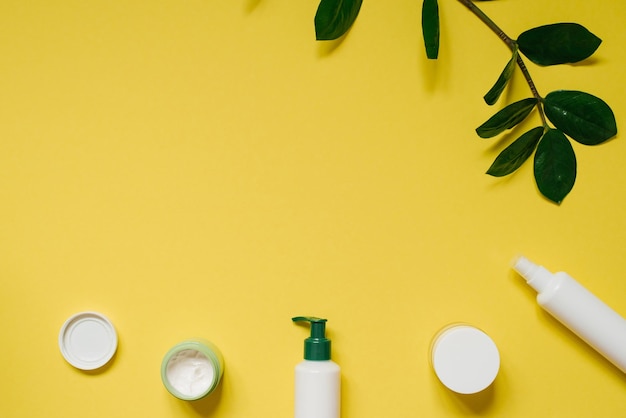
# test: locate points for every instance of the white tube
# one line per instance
(579, 310)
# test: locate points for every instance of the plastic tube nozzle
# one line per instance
(535, 275)
(524, 267)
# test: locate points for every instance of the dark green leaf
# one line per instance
(335, 17)
(430, 28)
(506, 118)
(494, 93)
(555, 166)
(559, 43)
(513, 156)
(585, 118)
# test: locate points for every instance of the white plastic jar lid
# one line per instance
(465, 359)
(88, 340)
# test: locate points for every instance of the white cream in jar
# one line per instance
(190, 372)
(192, 369)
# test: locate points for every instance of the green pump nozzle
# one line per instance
(317, 346)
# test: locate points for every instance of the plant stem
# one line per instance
(512, 44)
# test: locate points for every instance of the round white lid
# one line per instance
(88, 340)
(465, 359)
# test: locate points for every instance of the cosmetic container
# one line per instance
(578, 309)
(317, 377)
(192, 369)
(464, 358)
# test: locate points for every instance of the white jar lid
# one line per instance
(88, 340)
(465, 359)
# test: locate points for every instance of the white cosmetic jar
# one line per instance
(192, 369)
(464, 358)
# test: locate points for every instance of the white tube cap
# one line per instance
(465, 359)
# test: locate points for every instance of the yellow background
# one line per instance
(206, 168)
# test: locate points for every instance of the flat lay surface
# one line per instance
(206, 169)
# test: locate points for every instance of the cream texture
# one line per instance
(190, 372)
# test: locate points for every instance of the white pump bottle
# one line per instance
(579, 310)
(318, 381)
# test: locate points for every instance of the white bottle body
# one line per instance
(317, 389)
(587, 316)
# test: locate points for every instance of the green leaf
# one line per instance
(555, 166)
(335, 17)
(558, 43)
(494, 93)
(430, 28)
(513, 156)
(506, 118)
(585, 118)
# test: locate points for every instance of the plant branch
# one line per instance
(512, 44)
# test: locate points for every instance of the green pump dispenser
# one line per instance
(317, 346)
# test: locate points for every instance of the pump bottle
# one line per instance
(317, 380)
(578, 309)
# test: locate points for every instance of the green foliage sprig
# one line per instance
(564, 114)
